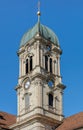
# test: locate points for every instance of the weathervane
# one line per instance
(38, 13)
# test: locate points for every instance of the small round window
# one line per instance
(48, 47)
(50, 83)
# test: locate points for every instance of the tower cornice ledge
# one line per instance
(62, 86)
(43, 76)
(57, 49)
(17, 87)
(37, 118)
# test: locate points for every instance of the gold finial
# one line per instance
(38, 13)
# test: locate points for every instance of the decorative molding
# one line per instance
(17, 87)
(29, 93)
(29, 54)
(38, 82)
(57, 49)
(62, 86)
(38, 117)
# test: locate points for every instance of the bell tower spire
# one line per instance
(39, 13)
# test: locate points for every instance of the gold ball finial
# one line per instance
(38, 13)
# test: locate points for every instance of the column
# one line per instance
(41, 57)
(58, 65)
(48, 64)
(20, 67)
(52, 65)
(38, 93)
(61, 102)
(37, 54)
(55, 67)
(18, 105)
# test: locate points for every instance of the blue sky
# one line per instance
(65, 18)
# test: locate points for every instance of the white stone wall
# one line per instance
(31, 126)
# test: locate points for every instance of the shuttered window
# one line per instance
(26, 100)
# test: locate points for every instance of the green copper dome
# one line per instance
(44, 31)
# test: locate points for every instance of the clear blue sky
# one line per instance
(65, 17)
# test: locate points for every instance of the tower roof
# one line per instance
(43, 31)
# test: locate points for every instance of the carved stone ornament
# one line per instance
(35, 46)
(38, 82)
(41, 47)
(30, 54)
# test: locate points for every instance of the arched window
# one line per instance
(31, 63)
(51, 65)
(26, 66)
(46, 63)
(27, 100)
(50, 100)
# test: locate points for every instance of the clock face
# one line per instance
(50, 83)
(27, 84)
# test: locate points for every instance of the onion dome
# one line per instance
(43, 31)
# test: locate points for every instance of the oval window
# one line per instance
(50, 83)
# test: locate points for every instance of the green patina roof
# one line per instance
(44, 31)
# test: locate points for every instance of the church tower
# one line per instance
(39, 89)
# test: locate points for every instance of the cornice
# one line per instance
(38, 118)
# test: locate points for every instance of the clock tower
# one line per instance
(39, 89)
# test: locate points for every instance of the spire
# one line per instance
(39, 13)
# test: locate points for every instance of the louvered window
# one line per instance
(31, 63)
(50, 65)
(50, 100)
(46, 63)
